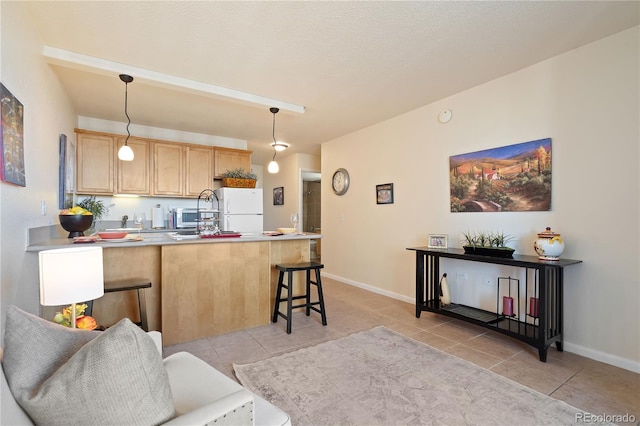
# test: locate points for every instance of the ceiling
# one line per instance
(349, 64)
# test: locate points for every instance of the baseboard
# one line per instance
(371, 288)
(610, 359)
(627, 364)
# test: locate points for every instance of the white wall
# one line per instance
(47, 114)
(585, 100)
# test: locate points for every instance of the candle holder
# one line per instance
(507, 306)
(534, 301)
(510, 305)
(534, 307)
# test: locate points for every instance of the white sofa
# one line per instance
(201, 396)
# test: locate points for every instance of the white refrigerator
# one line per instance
(240, 209)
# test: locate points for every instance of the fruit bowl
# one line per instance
(76, 224)
(112, 235)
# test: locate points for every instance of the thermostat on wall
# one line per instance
(445, 116)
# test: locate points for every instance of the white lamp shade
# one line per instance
(70, 275)
(273, 167)
(125, 153)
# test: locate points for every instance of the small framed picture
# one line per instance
(438, 241)
(278, 196)
(384, 193)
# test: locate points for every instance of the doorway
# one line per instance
(311, 209)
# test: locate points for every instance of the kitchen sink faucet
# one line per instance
(123, 224)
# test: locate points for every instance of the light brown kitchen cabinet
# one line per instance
(198, 170)
(168, 169)
(159, 168)
(95, 163)
(229, 159)
(133, 176)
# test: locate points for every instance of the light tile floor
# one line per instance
(582, 382)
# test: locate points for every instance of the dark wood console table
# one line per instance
(548, 280)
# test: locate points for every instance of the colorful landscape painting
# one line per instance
(510, 178)
(12, 170)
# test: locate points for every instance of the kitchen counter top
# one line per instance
(163, 239)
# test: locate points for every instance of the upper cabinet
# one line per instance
(133, 176)
(95, 164)
(168, 169)
(229, 159)
(198, 170)
(159, 168)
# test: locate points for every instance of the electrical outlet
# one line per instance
(43, 207)
(488, 281)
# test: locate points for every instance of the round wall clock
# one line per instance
(340, 182)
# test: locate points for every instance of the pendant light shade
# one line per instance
(277, 145)
(125, 153)
(273, 166)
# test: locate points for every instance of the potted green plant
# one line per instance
(487, 244)
(239, 178)
(96, 207)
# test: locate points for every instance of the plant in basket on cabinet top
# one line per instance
(239, 178)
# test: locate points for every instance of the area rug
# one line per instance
(380, 377)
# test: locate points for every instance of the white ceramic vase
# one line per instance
(549, 245)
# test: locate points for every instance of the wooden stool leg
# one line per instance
(321, 298)
(142, 308)
(308, 298)
(276, 307)
(289, 300)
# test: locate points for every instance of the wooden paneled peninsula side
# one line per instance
(201, 288)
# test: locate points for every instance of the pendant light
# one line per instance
(125, 153)
(277, 145)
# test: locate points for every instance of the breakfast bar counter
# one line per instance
(165, 238)
(200, 287)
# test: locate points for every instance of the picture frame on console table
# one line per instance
(438, 241)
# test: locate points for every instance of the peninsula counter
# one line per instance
(200, 287)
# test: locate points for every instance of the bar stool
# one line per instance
(129, 284)
(290, 268)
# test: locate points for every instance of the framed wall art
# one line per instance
(66, 173)
(384, 193)
(509, 178)
(278, 196)
(11, 139)
(439, 241)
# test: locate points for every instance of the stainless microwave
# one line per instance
(188, 217)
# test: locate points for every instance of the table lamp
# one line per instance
(69, 276)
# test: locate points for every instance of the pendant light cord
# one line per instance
(126, 79)
(126, 85)
(273, 135)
